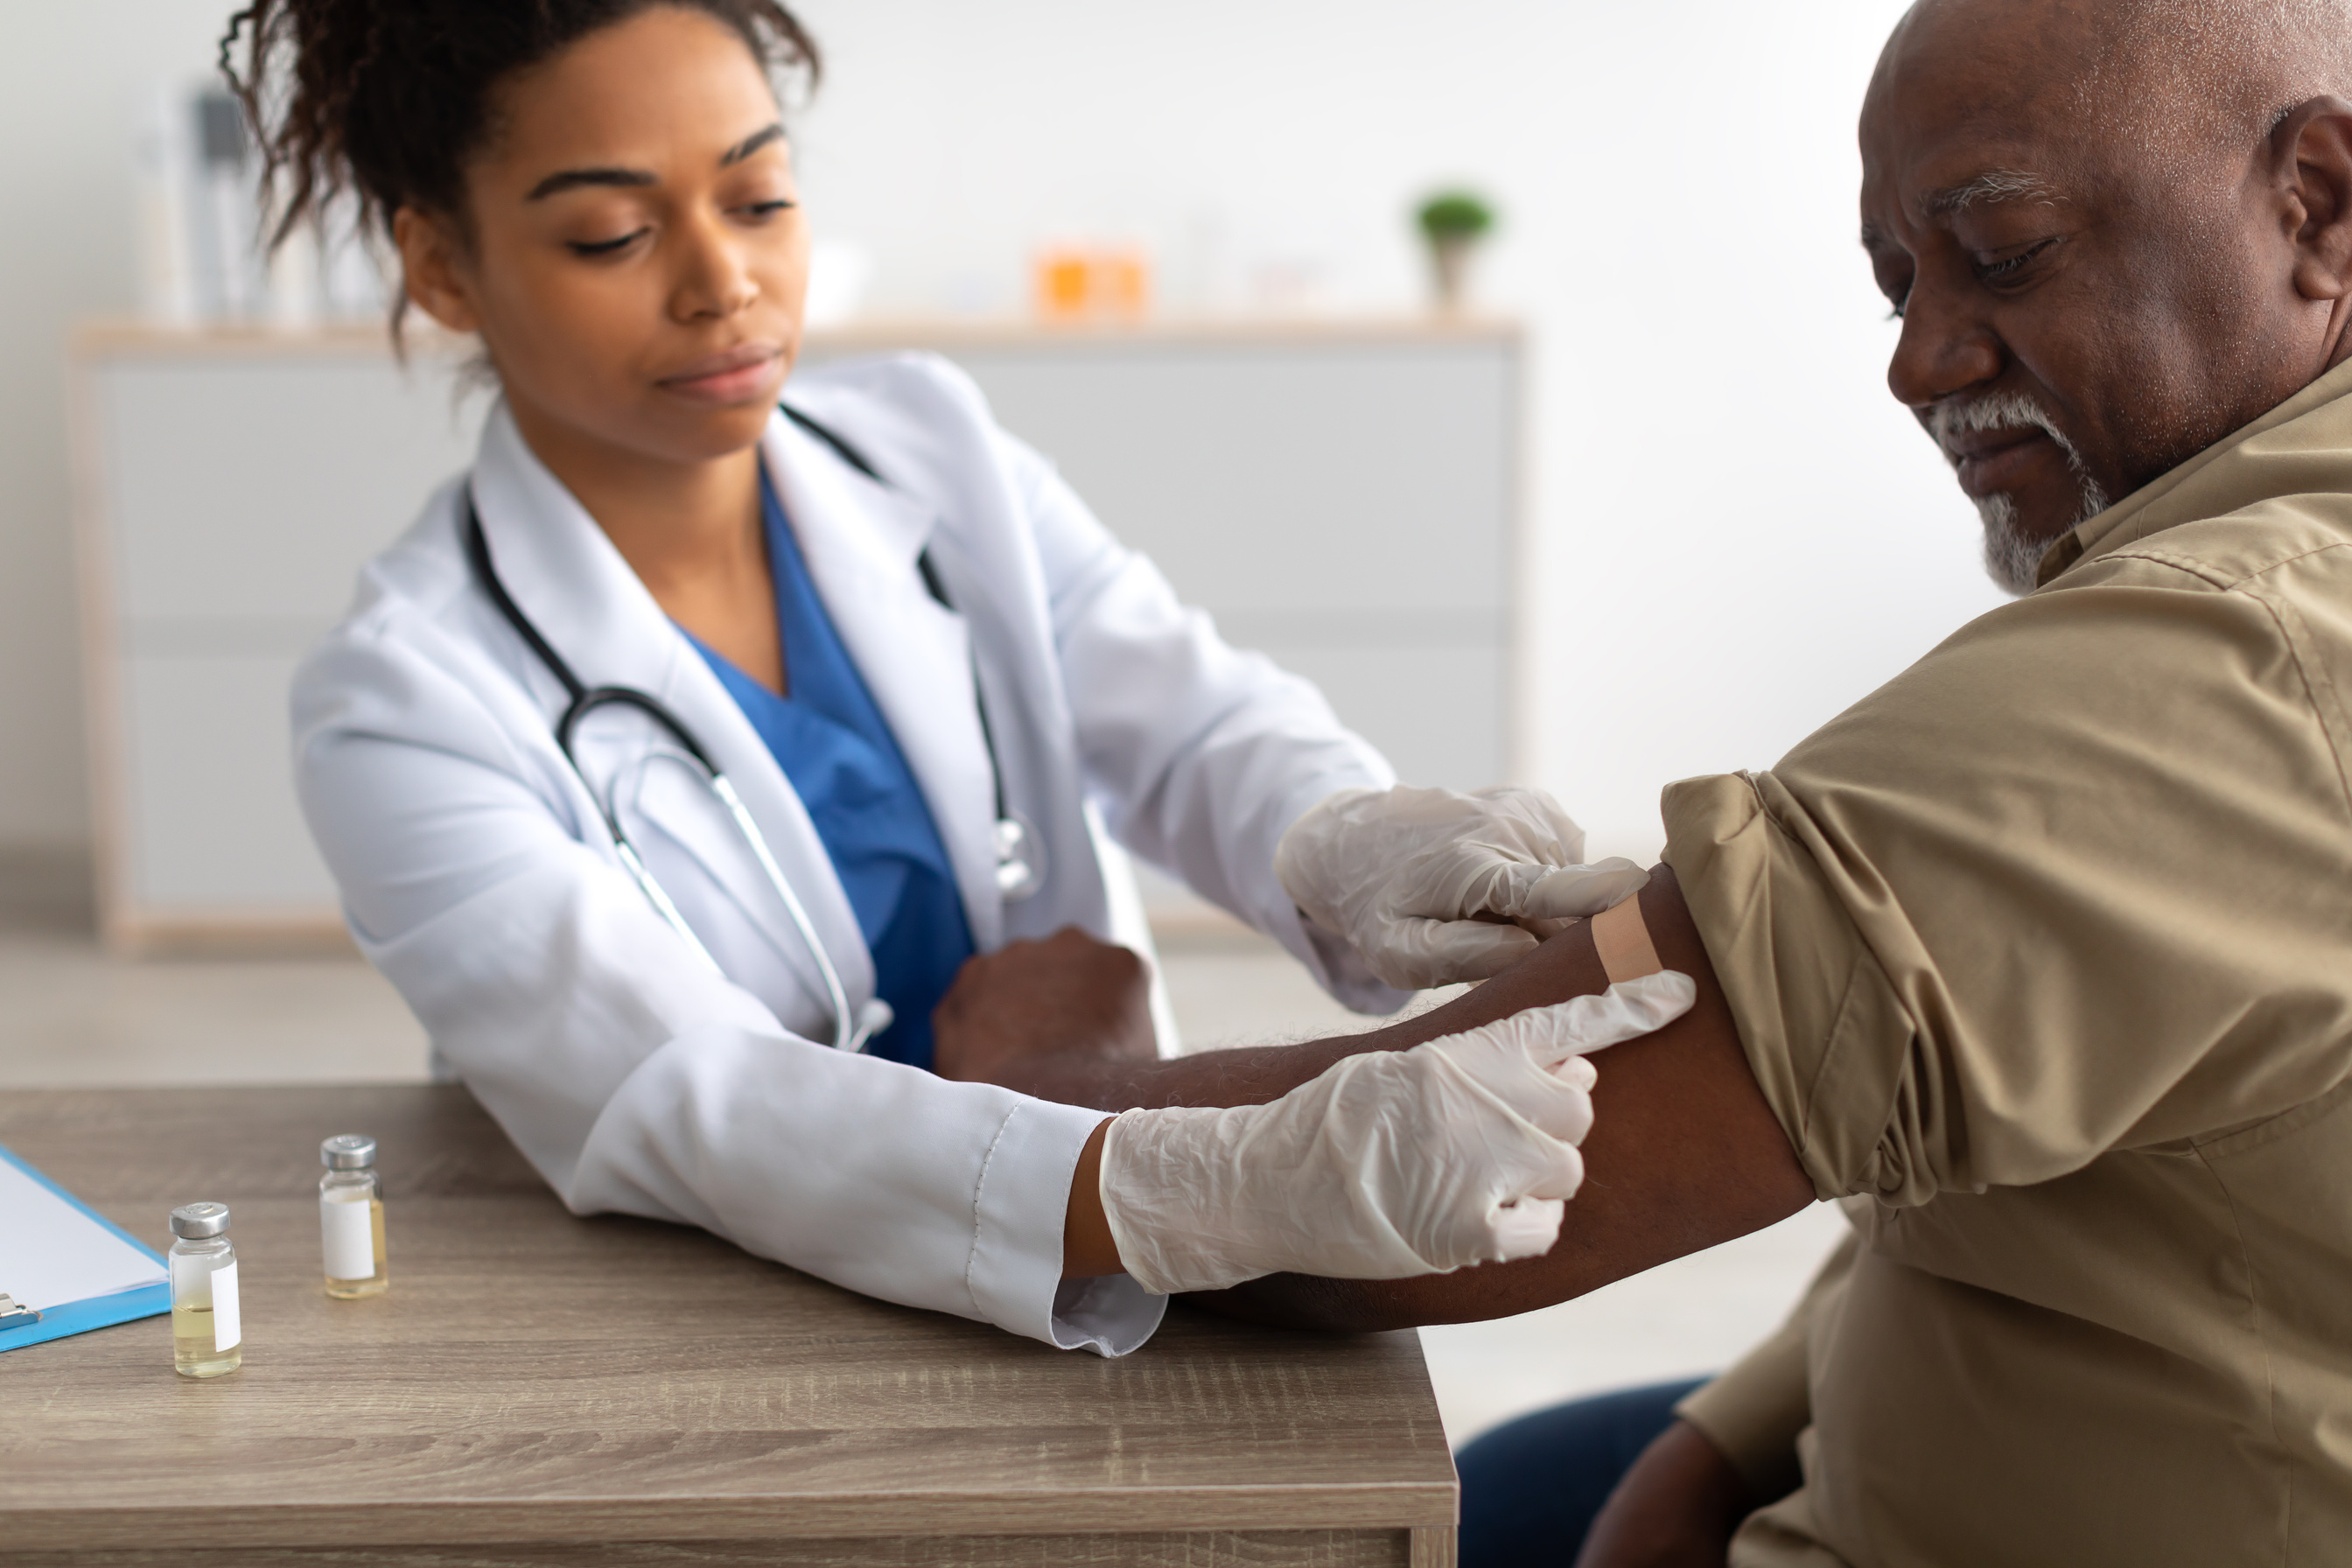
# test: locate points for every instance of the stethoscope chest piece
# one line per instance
(1020, 858)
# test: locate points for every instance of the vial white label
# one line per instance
(346, 1226)
(191, 1280)
(227, 1327)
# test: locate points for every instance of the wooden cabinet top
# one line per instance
(535, 1378)
(107, 339)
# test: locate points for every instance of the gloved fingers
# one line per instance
(1415, 955)
(1567, 892)
(1539, 807)
(1544, 931)
(1626, 1010)
(1527, 1224)
(1528, 1228)
(1561, 1110)
(1510, 1065)
(1556, 1174)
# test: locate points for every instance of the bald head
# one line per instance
(2117, 230)
(2183, 73)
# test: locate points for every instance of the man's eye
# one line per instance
(604, 247)
(768, 209)
(1995, 271)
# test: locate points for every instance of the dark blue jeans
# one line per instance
(1531, 1488)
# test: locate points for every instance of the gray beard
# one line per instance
(2012, 557)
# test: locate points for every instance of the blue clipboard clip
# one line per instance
(15, 1314)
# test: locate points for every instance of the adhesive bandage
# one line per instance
(1623, 940)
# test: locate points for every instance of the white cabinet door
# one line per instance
(1345, 502)
(231, 491)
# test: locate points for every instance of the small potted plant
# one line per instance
(1453, 222)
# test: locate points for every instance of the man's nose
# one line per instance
(1945, 349)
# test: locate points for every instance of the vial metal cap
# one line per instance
(347, 1151)
(197, 1221)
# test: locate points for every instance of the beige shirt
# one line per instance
(2044, 952)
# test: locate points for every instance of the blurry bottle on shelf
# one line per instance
(229, 270)
(1452, 223)
(201, 237)
(167, 271)
(1088, 282)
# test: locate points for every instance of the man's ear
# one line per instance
(2312, 147)
(431, 269)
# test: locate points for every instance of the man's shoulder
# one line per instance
(2291, 544)
(2209, 627)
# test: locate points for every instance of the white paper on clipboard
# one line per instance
(52, 1252)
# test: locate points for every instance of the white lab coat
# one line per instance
(477, 875)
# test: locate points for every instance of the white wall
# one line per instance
(1736, 531)
(70, 81)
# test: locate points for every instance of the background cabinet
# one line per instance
(1343, 496)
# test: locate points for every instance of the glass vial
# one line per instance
(350, 1217)
(207, 1333)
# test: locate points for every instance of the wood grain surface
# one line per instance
(539, 1388)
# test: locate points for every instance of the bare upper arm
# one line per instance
(1684, 1152)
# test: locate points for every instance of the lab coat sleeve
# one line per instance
(1202, 754)
(633, 1077)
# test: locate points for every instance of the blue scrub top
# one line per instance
(832, 744)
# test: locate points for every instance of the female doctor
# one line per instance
(678, 759)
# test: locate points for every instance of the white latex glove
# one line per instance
(1391, 1164)
(1400, 873)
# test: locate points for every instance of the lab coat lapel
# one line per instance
(861, 540)
(567, 577)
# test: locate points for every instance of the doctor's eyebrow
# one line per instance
(573, 179)
(771, 132)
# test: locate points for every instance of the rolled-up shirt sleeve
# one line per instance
(2047, 894)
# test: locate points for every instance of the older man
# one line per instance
(2040, 957)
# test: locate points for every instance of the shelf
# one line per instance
(110, 337)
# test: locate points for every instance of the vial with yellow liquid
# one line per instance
(350, 1217)
(207, 1330)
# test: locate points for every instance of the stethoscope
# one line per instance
(1020, 855)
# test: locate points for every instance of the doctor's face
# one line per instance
(633, 255)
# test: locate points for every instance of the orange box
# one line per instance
(1076, 283)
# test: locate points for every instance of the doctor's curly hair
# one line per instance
(382, 102)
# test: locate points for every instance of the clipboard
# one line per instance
(75, 1243)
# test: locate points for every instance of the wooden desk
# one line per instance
(537, 1389)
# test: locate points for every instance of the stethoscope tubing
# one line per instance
(1017, 846)
(850, 1032)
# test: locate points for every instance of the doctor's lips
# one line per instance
(731, 375)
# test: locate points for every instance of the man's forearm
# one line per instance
(1685, 1152)
(1253, 1075)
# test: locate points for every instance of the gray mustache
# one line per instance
(1994, 411)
